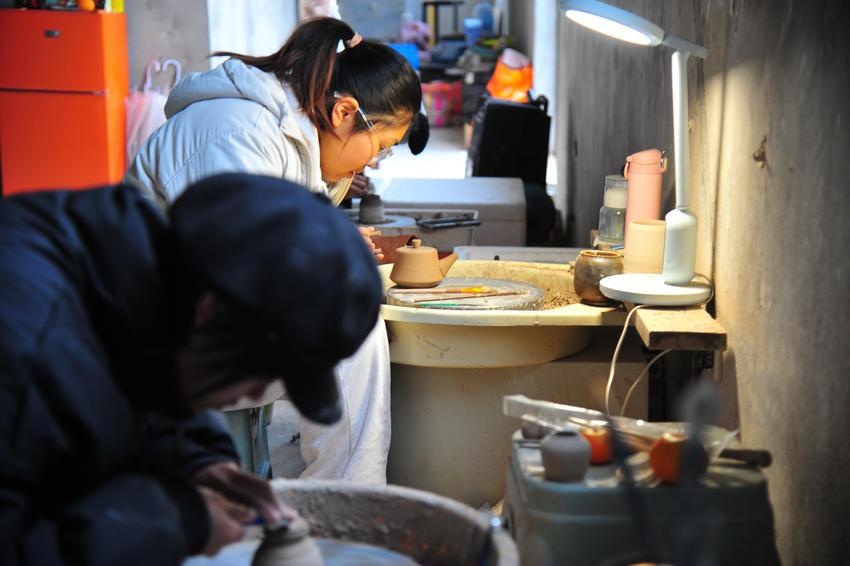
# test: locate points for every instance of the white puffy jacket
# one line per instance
(237, 118)
(233, 118)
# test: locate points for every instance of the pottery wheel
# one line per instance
(392, 221)
(334, 553)
(523, 296)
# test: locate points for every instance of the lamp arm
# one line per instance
(680, 235)
(680, 127)
(680, 44)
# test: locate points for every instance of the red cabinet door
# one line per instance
(56, 141)
(63, 51)
(63, 81)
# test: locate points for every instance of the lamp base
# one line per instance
(650, 289)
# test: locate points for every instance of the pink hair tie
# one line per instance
(354, 41)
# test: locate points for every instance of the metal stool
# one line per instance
(250, 434)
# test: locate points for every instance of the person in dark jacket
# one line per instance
(118, 328)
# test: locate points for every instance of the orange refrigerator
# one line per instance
(63, 81)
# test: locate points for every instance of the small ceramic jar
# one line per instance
(590, 267)
(288, 544)
(565, 455)
(371, 210)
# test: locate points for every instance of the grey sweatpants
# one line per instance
(356, 447)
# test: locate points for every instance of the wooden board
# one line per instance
(682, 328)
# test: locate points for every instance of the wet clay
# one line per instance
(288, 545)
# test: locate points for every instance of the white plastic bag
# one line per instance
(145, 109)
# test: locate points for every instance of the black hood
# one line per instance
(290, 263)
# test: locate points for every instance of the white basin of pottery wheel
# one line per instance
(451, 368)
(495, 338)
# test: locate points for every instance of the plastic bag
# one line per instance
(145, 109)
(512, 78)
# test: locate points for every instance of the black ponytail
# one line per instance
(382, 81)
(419, 133)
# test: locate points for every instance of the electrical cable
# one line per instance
(639, 377)
(610, 383)
(614, 359)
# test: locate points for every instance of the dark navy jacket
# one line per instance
(91, 308)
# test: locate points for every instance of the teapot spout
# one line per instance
(447, 262)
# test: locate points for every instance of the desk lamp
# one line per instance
(675, 285)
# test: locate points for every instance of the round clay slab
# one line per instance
(523, 296)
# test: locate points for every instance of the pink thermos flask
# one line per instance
(643, 172)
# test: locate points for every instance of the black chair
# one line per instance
(511, 139)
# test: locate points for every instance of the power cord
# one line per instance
(639, 377)
(616, 355)
(633, 386)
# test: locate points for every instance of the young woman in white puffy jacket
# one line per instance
(322, 108)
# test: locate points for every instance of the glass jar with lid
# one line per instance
(612, 215)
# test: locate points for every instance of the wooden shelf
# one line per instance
(688, 328)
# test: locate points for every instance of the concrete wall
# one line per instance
(375, 20)
(167, 29)
(191, 29)
(521, 18)
(773, 233)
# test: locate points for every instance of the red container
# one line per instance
(63, 81)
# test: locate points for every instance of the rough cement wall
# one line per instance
(521, 18)
(375, 20)
(773, 237)
(167, 29)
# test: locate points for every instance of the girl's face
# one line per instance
(343, 153)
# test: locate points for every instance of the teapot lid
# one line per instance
(416, 248)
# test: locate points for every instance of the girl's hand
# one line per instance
(367, 232)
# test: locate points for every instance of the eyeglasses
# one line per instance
(383, 152)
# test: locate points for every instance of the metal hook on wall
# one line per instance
(153, 67)
(178, 70)
(159, 66)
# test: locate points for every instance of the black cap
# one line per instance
(288, 259)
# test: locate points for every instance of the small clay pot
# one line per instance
(565, 455)
(590, 267)
(288, 545)
(371, 210)
(533, 431)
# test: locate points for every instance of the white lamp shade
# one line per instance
(613, 22)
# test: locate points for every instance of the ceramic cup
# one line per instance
(644, 252)
(565, 455)
(590, 267)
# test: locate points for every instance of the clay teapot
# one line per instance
(418, 266)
